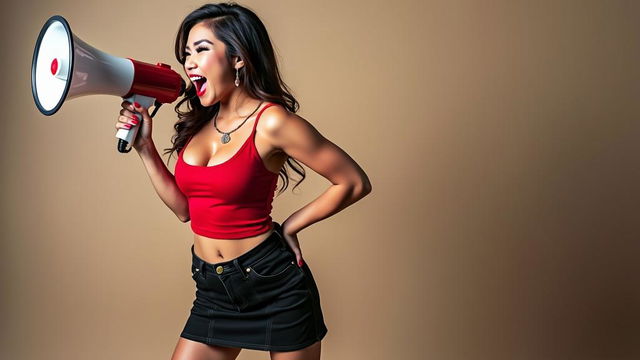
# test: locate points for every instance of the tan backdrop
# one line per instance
(501, 139)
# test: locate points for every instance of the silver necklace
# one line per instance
(226, 137)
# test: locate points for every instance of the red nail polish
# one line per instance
(300, 263)
(136, 104)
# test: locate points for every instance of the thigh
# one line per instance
(311, 352)
(193, 350)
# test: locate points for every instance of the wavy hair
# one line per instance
(244, 36)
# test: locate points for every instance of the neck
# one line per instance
(237, 105)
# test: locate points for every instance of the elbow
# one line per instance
(367, 187)
(362, 189)
(366, 190)
(183, 214)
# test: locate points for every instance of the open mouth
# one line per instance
(200, 83)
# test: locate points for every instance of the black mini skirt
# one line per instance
(260, 300)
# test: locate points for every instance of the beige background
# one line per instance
(501, 138)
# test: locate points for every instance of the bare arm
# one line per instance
(299, 139)
(164, 182)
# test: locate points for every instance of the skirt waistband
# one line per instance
(269, 244)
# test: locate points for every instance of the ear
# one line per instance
(239, 63)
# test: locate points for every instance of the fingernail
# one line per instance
(300, 263)
(136, 104)
(127, 126)
(135, 122)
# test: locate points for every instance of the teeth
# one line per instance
(194, 78)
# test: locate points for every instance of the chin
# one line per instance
(206, 102)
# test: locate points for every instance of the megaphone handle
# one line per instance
(127, 136)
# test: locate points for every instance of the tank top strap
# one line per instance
(255, 123)
(185, 146)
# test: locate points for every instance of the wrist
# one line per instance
(146, 148)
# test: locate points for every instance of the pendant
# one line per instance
(225, 138)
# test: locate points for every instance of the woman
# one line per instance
(253, 289)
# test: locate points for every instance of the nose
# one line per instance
(189, 64)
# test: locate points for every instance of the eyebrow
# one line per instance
(198, 42)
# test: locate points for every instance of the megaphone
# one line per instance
(65, 67)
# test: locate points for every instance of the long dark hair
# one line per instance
(244, 36)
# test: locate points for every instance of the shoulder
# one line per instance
(276, 118)
(286, 130)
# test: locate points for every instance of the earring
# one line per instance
(237, 82)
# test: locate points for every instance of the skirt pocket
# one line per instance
(272, 277)
(273, 267)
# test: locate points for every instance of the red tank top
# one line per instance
(230, 200)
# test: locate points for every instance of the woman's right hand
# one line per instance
(128, 120)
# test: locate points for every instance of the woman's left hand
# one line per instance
(294, 244)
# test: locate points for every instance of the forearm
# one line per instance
(333, 200)
(164, 182)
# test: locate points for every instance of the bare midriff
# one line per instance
(218, 250)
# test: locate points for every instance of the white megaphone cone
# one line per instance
(65, 67)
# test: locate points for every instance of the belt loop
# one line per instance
(202, 269)
(237, 264)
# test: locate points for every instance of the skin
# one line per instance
(279, 134)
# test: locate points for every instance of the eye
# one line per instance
(198, 49)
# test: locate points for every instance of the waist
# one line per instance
(274, 241)
(213, 249)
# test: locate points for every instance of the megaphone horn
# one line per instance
(65, 67)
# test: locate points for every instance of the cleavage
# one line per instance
(218, 151)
